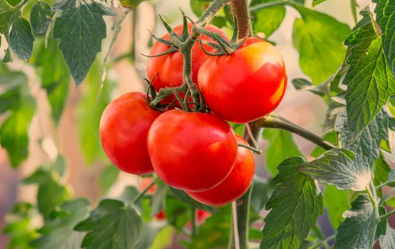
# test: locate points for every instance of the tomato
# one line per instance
(246, 85)
(235, 185)
(124, 127)
(191, 151)
(169, 68)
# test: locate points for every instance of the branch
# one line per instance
(240, 9)
(277, 122)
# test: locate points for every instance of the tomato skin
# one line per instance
(246, 85)
(124, 127)
(169, 68)
(235, 185)
(191, 151)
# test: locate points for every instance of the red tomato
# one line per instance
(246, 85)
(124, 127)
(235, 185)
(168, 68)
(191, 151)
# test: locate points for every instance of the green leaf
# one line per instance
(8, 55)
(330, 137)
(182, 196)
(106, 222)
(381, 170)
(281, 146)
(148, 234)
(128, 195)
(385, 11)
(261, 192)
(55, 77)
(58, 230)
(267, 20)
(40, 17)
(89, 111)
(295, 206)
(316, 2)
(367, 145)
(214, 232)
(113, 3)
(7, 13)
(178, 213)
(369, 80)
(129, 3)
(317, 44)
(382, 225)
(21, 38)
(336, 202)
(13, 132)
(81, 29)
(360, 223)
(159, 198)
(387, 241)
(338, 169)
(305, 85)
(108, 177)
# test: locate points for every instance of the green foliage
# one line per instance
(385, 18)
(40, 17)
(338, 167)
(387, 241)
(361, 221)
(281, 146)
(316, 2)
(14, 130)
(267, 20)
(148, 233)
(369, 80)
(182, 196)
(81, 29)
(104, 223)
(58, 231)
(305, 85)
(21, 38)
(261, 192)
(317, 44)
(108, 177)
(159, 198)
(336, 202)
(297, 198)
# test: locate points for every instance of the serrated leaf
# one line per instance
(13, 132)
(281, 146)
(40, 17)
(58, 230)
(105, 222)
(148, 233)
(21, 38)
(331, 114)
(382, 225)
(367, 145)
(114, 3)
(369, 80)
(7, 13)
(214, 232)
(55, 78)
(356, 231)
(261, 192)
(317, 44)
(336, 202)
(305, 85)
(338, 169)
(385, 11)
(182, 196)
(81, 29)
(295, 206)
(267, 20)
(387, 241)
(159, 198)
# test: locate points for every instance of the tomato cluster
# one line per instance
(195, 151)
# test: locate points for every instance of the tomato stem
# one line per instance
(141, 195)
(194, 222)
(257, 151)
(277, 122)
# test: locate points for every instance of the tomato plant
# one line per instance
(326, 179)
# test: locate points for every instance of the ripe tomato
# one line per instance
(168, 68)
(235, 185)
(124, 127)
(191, 151)
(246, 85)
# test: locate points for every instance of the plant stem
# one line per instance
(257, 151)
(141, 195)
(373, 197)
(242, 13)
(275, 121)
(385, 216)
(382, 185)
(387, 195)
(323, 242)
(194, 223)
